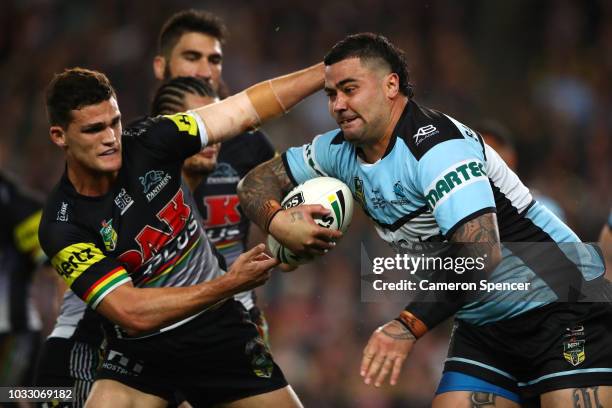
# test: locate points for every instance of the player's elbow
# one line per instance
(493, 258)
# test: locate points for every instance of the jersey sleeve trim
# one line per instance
(288, 169)
(201, 128)
(105, 285)
(468, 218)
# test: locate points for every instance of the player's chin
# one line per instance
(107, 164)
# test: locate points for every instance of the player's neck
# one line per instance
(192, 179)
(374, 152)
(90, 183)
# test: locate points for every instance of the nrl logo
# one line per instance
(109, 235)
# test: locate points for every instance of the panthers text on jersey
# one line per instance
(435, 175)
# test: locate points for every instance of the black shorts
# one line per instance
(557, 346)
(217, 357)
(68, 363)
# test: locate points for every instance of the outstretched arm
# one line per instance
(391, 343)
(260, 193)
(259, 103)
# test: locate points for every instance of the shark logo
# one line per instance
(400, 194)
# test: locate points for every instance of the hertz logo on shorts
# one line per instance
(75, 259)
(184, 122)
(452, 179)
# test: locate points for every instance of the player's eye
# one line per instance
(215, 59)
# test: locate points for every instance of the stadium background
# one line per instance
(543, 68)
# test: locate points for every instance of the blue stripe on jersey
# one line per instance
(549, 223)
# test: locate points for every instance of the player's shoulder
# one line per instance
(58, 212)
(423, 129)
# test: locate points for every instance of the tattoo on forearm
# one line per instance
(399, 336)
(260, 187)
(586, 398)
(482, 399)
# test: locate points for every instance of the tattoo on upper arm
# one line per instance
(482, 231)
(586, 398)
(260, 187)
(482, 399)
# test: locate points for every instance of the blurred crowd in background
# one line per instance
(543, 69)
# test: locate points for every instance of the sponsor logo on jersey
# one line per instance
(62, 213)
(123, 201)
(423, 133)
(174, 216)
(75, 259)
(153, 182)
(184, 123)
(400, 194)
(224, 174)
(222, 210)
(573, 345)
(117, 362)
(453, 179)
(109, 235)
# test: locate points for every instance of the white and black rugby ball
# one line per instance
(329, 192)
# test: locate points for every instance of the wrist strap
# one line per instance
(271, 209)
(412, 323)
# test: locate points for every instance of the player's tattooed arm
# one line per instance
(261, 190)
(482, 234)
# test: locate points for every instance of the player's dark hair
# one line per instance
(75, 88)
(370, 46)
(170, 96)
(497, 131)
(188, 21)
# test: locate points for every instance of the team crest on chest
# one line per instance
(109, 235)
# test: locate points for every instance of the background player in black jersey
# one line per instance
(191, 43)
(86, 124)
(20, 258)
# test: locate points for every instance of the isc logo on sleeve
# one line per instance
(75, 259)
(184, 122)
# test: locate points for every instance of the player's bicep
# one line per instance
(88, 272)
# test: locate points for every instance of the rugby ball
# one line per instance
(329, 192)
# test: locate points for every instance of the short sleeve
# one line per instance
(453, 180)
(310, 160)
(83, 266)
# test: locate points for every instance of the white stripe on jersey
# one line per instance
(507, 181)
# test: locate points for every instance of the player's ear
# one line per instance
(58, 136)
(392, 85)
(159, 67)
